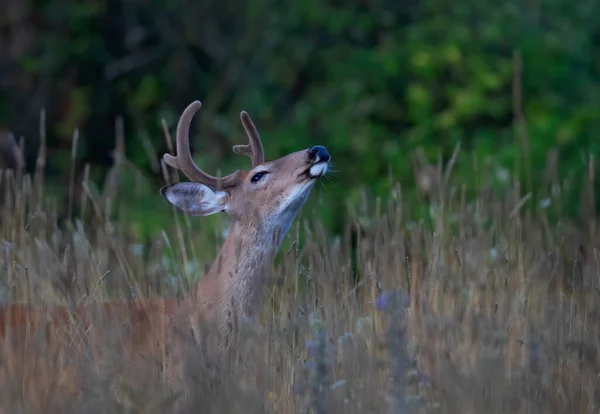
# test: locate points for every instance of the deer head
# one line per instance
(269, 193)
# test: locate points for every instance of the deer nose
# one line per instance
(319, 153)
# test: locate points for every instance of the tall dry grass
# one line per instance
(488, 307)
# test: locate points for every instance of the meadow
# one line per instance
(488, 304)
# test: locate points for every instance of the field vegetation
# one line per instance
(488, 304)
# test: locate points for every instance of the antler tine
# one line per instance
(184, 162)
(254, 149)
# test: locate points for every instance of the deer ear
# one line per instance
(194, 198)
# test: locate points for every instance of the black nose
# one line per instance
(319, 153)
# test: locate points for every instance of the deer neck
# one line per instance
(240, 273)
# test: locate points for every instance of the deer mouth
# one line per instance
(317, 170)
(314, 170)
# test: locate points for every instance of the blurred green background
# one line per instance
(376, 81)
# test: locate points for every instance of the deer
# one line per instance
(262, 203)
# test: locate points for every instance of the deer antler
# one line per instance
(184, 162)
(254, 149)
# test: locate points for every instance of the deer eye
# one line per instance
(256, 177)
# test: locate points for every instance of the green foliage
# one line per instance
(371, 82)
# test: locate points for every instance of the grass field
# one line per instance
(489, 306)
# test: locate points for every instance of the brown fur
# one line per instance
(262, 213)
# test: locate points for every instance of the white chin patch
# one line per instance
(318, 170)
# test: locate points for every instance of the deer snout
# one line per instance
(318, 153)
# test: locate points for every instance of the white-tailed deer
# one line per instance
(262, 203)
